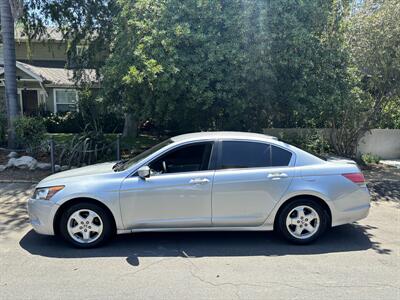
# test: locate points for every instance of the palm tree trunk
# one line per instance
(7, 30)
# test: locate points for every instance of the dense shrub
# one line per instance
(73, 122)
(370, 158)
(70, 122)
(30, 132)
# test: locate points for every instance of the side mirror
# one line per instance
(144, 172)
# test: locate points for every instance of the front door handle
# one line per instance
(277, 176)
(199, 181)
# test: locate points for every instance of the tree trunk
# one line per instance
(130, 126)
(7, 29)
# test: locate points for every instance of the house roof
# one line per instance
(58, 76)
(54, 76)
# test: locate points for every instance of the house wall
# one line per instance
(49, 100)
(41, 51)
(382, 142)
(22, 75)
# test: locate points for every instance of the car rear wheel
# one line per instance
(302, 221)
(86, 225)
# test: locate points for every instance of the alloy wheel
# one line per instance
(85, 226)
(302, 222)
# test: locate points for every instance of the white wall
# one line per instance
(382, 142)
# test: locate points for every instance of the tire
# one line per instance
(86, 225)
(302, 221)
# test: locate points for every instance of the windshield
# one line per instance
(126, 164)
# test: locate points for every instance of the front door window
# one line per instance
(190, 158)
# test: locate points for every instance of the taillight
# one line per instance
(357, 178)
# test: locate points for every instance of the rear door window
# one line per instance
(241, 154)
(280, 157)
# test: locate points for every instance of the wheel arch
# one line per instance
(73, 201)
(317, 199)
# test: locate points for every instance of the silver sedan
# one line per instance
(202, 181)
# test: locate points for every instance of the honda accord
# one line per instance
(202, 181)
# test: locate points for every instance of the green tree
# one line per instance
(178, 62)
(367, 36)
(239, 64)
(373, 37)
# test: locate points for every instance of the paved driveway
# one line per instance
(358, 261)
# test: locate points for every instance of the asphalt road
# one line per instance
(358, 261)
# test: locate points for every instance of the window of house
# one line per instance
(65, 100)
(237, 154)
(189, 158)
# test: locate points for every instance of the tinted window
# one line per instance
(280, 157)
(252, 155)
(184, 159)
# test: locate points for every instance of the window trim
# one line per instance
(219, 157)
(211, 164)
(63, 90)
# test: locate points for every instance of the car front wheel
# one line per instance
(302, 221)
(86, 225)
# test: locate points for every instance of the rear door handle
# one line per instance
(277, 176)
(199, 181)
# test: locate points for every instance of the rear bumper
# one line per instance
(41, 215)
(351, 208)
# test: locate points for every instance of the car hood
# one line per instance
(97, 169)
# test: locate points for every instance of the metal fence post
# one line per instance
(118, 146)
(53, 167)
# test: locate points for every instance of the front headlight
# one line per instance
(47, 192)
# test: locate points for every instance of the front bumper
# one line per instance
(41, 215)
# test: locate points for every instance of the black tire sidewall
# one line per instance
(107, 225)
(323, 216)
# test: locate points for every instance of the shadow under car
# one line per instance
(344, 238)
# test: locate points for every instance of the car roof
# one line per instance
(207, 135)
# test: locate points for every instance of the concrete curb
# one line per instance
(18, 181)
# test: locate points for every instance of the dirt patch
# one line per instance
(28, 175)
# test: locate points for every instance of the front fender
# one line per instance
(110, 200)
